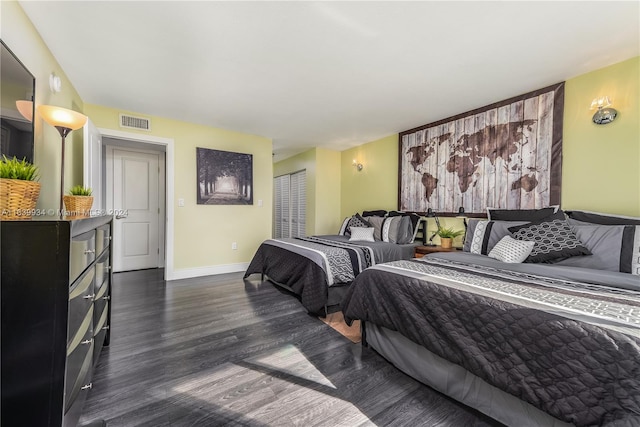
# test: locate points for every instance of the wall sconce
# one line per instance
(604, 114)
(357, 165)
(55, 84)
(65, 121)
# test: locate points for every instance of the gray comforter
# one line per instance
(566, 340)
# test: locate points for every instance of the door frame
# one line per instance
(169, 225)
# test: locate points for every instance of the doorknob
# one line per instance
(121, 216)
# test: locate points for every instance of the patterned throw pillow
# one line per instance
(511, 250)
(363, 234)
(354, 221)
(553, 237)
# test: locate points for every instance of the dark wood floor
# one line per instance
(220, 350)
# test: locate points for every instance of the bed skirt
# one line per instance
(453, 380)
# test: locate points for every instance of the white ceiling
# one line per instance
(330, 74)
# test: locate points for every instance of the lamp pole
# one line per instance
(63, 133)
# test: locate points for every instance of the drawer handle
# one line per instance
(89, 341)
(90, 251)
(87, 386)
(91, 296)
(104, 328)
(106, 297)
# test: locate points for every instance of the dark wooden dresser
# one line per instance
(56, 312)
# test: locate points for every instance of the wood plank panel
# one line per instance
(528, 177)
(543, 155)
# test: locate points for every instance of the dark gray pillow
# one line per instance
(520, 214)
(604, 219)
(555, 240)
(379, 212)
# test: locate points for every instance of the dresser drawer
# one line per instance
(103, 270)
(101, 322)
(81, 299)
(100, 313)
(83, 252)
(103, 238)
(77, 376)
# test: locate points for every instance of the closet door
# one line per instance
(298, 204)
(282, 215)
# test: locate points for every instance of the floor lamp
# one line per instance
(65, 121)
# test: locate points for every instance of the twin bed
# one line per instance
(319, 269)
(529, 344)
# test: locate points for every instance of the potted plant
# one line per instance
(447, 235)
(19, 189)
(79, 201)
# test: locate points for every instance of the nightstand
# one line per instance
(421, 251)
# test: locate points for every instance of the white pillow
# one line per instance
(511, 250)
(364, 234)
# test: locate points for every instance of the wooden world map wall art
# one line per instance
(506, 155)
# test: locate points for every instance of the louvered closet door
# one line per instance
(282, 215)
(298, 204)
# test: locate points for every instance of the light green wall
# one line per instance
(376, 185)
(323, 187)
(17, 31)
(328, 177)
(203, 234)
(600, 168)
(601, 165)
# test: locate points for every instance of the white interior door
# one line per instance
(132, 192)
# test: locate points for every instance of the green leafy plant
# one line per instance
(18, 169)
(79, 190)
(449, 233)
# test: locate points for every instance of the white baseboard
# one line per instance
(188, 273)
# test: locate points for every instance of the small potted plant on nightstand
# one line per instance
(19, 189)
(447, 235)
(79, 201)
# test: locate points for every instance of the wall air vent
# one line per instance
(133, 122)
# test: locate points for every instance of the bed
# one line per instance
(319, 269)
(529, 344)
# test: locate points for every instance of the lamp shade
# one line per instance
(61, 117)
(25, 108)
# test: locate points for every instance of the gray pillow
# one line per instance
(376, 223)
(613, 247)
(483, 235)
(397, 229)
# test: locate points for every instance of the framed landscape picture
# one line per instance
(506, 155)
(224, 177)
